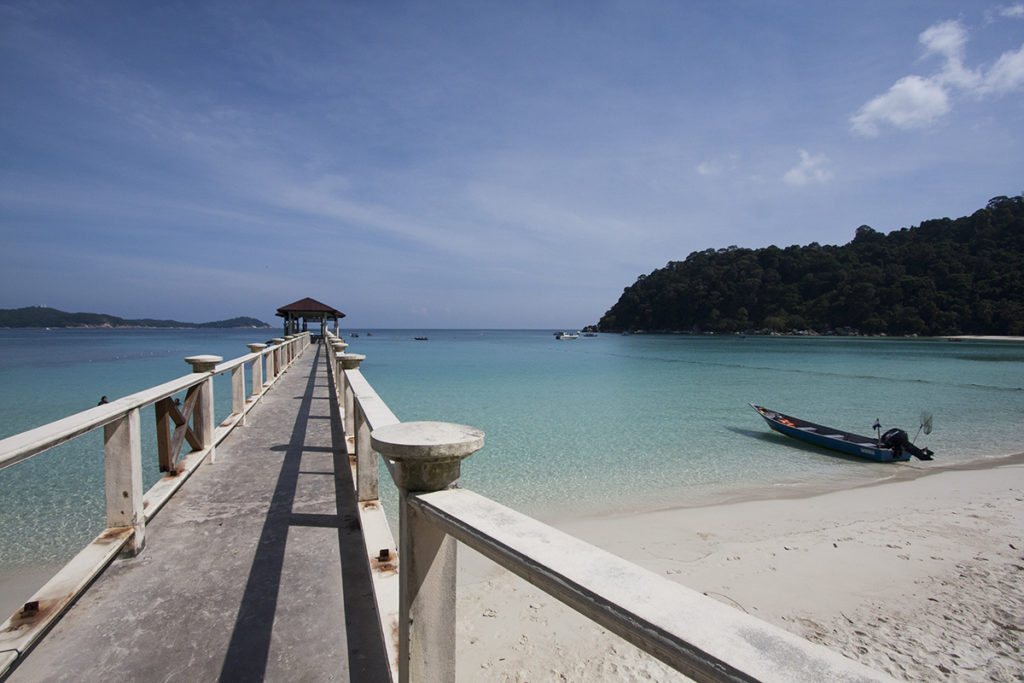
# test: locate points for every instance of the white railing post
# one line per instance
(277, 355)
(257, 368)
(268, 370)
(293, 348)
(349, 361)
(286, 350)
(427, 457)
(238, 392)
(122, 457)
(367, 471)
(338, 347)
(205, 420)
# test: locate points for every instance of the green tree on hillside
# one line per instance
(942, 277)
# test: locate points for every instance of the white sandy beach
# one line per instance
(921, 577)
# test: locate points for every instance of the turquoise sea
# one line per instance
(589, 426)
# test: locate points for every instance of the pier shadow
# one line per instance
(250, 644)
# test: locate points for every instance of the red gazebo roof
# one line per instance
(308, 305)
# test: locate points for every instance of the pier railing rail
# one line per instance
(695, 634)
(128, 508)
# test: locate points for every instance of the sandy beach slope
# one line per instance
(921, 577)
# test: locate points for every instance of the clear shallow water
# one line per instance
(628, 422)
(604, 424)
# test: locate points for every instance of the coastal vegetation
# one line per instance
(41, 316)
(943, 277)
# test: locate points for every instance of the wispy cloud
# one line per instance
(813, 168)
(912, 102)
(1006, 74)
(916, 101)
(1012, 12)
(718, 165)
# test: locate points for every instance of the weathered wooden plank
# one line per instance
(122, 464)
(18, 447)
(376, 411)
(384, 574)
(49, 603)
(234, 363)
(181, 417)
(160, 492)
(165, 455)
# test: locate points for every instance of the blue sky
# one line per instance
(476, 164)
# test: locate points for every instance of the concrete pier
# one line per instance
(254, 570)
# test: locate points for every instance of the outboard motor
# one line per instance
(897, 440)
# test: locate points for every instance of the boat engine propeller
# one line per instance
(897, 440)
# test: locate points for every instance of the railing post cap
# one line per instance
(428, 455)
(350, 361)
(278, 340)
(256, 347)
(410, 442)
(203, 363)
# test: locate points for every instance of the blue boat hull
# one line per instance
(826, 437)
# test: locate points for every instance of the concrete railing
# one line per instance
(697, 635)
(128, 509)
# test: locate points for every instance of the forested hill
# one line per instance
(943, 277)
(40, 316)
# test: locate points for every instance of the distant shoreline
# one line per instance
(138, 327)
(984, 337)
(41, 317)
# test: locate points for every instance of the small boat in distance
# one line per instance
(421, 338)
(567, 335)
(892, 446)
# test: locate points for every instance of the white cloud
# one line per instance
(918, 101)
(708, 168)
(1012, 12)
(913, 102)
(811, 169)
(1006, 74)
(947, 38)
(719, 165)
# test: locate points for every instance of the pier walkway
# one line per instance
(254, 570)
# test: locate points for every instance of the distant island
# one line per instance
(40, 316)
(942, 278)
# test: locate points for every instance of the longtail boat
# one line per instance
(891, 446)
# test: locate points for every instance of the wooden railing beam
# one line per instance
(122, 449)
(204, 421)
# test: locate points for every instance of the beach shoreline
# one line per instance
(919, 575)
(901, 472)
